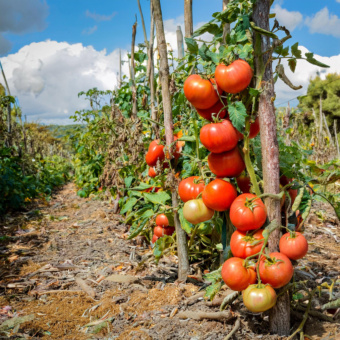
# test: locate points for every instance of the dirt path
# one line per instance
(67, 271)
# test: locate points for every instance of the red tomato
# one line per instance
(152, 172)
(158, 231)
(292, 193)
(169, 230)
(154, 153)
(215, 109)
(162, 220)
(236, 276)
(234, 78)
(241, 243)
(190, 188)
(219, 194)
(276, 271)
(295, 247)
(259, 298)
(244, 183)
(246, 214)
(226, 164)
(152, 189)
(195, 211)
(253, 130)
(154, 238)
(219, 137)
(200, 92)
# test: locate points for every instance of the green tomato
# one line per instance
(259, 298)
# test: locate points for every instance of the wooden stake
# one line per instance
(226, 27)
(132, 71)
(180, 43)
(188, 25)
(182, 249)
(336, 137)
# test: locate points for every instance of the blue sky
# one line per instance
(52, 49)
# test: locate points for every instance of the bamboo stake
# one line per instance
(327, 129)
(182, 249)
(180, 43)
(143, 24)
(226, 27)
(132, 71)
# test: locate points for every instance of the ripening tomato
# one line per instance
(190, 188)
(162, 220)
(241, 243)
(253, 130)
(154, 153)
(215, 110)
(276, 271)
(169, 230)
(234, 78)
(293, 245)
(200, 92)
(292, 192)
(158, 231)
(195, 211)
(248, 212)
(236, 275)
(226, 164)
(219, 194)
(152, 172)
(244, 183)
(219, 137)
(258, 298)
(154, 238)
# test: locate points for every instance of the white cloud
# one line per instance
(21, 16)
(99, 17)
(286, 18)
(90, 30)
(47, 77)
(325, 23)
(303, 73)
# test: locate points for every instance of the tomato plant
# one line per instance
(236, 274)
(248, 212)
(219, 194)
(259, 298)
(195, 211)
(294, 245)
(241, 243)
(219, 137)
(276, 270)
(190, 188)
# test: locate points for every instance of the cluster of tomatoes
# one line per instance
(162, 227)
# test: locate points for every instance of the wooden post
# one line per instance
(279, 319)
(180, 44)
(336, 136)
(132, 71)
(143, 24)
(182, 249)
(327, 129)
(188, 25)
(226, 27)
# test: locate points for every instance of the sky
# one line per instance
(53, 49)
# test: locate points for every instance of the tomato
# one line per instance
(219, 137)
(219, 194)
(248, 212)
(162, 220)
(169, 230)
(292, 193)
(154, 153)
(236, 276)
(215, 109)
(244, 183)
(277, 271)
(195, 211)
(154, 238)
(234, 78)
(152, 172)
(241, 243)
(259, 298)
(294, 246)
(253, 130)
(190, 188)
(226, 164)
(158, 231)
(200, 92)
(152, 189)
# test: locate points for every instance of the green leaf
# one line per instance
(215, 57)
(295, 51)
(136, 231)
(263, 31)
(147, 214)
(192, 45)
(331, 305)
(142, 186)
(129, 204)
(292, 64)
(209, 27)
(285, 51)
(214, 275)
(237, 115)
(160, 245)
(128, 181)
(186, 226)
(297, 296)
(158, 197)
(187, 138)
(212, 290)
(313, 61)
(202, 51)
(298, 199)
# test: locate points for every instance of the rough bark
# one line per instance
(132, 71)
(226, 27)
(180, 43)
(182, 250)
(279, 320)
(188, 25)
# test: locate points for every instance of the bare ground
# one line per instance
(67, 271)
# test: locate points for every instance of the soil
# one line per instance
(68, 263)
